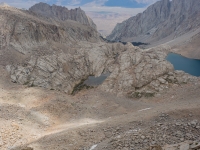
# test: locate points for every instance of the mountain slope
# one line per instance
(160, 20)
(26, 38)
(62, 13)
(37, 51)
(24, 31)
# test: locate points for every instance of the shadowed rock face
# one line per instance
(62, 13)
(162, 19)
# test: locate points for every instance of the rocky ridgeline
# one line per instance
(63, 71)
(161, 134)
(62, 13)
(26, 32)
(162, 19)
(133, 71)
(143, 73)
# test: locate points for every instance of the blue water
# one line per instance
(191, 66)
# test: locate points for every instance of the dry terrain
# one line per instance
(44, 119)
(190, 48)
(187, 45)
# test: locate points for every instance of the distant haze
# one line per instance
(106, 18)
(105, 13)
(109, 3)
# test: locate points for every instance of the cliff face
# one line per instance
(62, 13)
(25, 32)
(162, 19)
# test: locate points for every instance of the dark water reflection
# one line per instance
(95, 81)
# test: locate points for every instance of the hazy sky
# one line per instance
(83, 3)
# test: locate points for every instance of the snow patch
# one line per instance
(93, 147)
(144, 109)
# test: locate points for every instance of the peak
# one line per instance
(4, 4)
(41, 3)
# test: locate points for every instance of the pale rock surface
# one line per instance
(63, 71)
(133, 72)
(26, 32)
(160, 20)
(62, 13)
(140, 72)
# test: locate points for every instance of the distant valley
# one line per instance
(107, 18)
(106, 21)
(172, 22)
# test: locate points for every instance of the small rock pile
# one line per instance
(163, 132)
(187, 145)
(11, 136)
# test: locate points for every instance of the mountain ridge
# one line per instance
(62, 13)
(162, 19)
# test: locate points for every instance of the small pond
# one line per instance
(95, 81)
(190, 66)
(90, 82)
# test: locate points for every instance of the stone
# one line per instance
(178, 124)
(153, 142)
(196, 146)
(194, 122)
(182, 139)
(28, 148)
(184, 146)
(156, 147)
(163, 81)
(169, 147)
(1, 140)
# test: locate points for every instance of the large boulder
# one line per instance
(138, 72)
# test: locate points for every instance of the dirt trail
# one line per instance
(45, 119)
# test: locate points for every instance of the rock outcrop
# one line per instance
(163, 19)
(133, 72)
(25, 31)
(143, 73)
(62, 13)
(64, 70)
